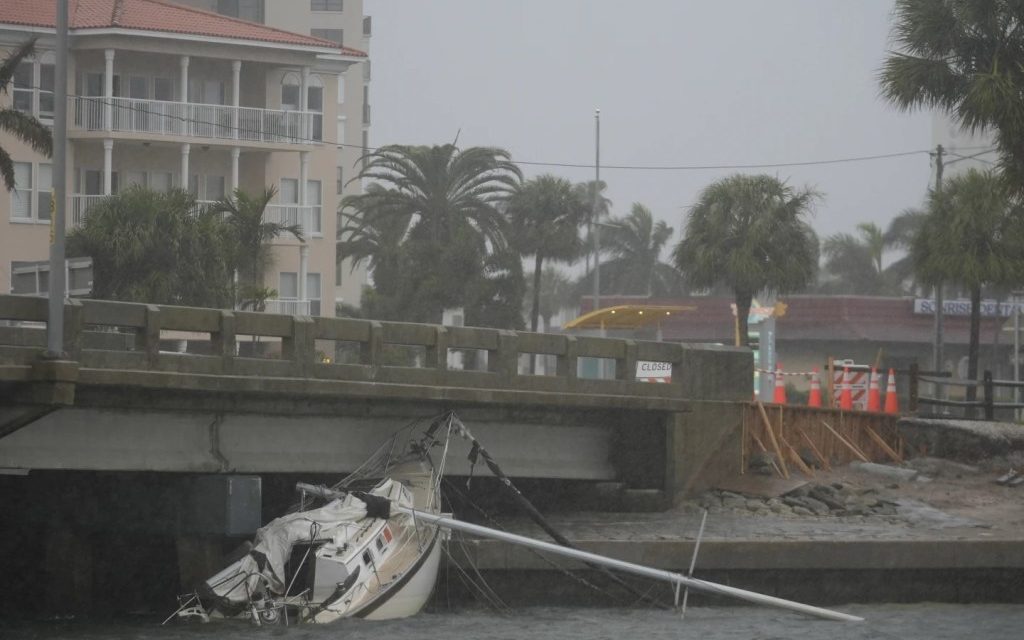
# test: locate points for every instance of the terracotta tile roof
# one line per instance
(154, 15)
(809, 317)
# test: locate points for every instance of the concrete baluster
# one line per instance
(300, 347)
(151, 336)
(73, 328)
(566, 362)
(505, 359)
(372, 349)
(437, 354)
(224, 341)
(625, 366)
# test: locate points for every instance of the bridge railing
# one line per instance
(103, 335)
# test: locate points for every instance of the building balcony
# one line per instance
(79, 205)
(191, 120)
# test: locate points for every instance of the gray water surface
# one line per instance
(905, 622)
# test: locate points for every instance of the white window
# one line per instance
(313, 293)
(291, 87)
(33, 86)
(326, 5)
(215, 188)
(134, 179)
(315, 103)
(288, 286)
(315, 199)
(30, 199)
(288, 196)
(334, 35)
(340, 134)
(92, 179)
(161, 181)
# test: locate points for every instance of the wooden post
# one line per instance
(990, 410)
(771, 437)
(912, 400)
(849, 445)
(830, 370)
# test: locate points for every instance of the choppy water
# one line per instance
(905, 622)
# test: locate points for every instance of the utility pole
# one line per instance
(55, 318)
(937, 344)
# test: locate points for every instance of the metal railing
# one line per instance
(306, 216)
(188, 119)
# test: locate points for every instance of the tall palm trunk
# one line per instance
(743, 301)
(974, 347)
(538, 260)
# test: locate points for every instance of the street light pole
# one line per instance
(596, 209)
(57, 286)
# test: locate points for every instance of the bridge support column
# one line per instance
(703, 447)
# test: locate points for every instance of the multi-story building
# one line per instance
(343, 22)
(167, 96)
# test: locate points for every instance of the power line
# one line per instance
(571, 165)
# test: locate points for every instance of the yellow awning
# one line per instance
(626, 316)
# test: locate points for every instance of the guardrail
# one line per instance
(971, 404)
(132, 337)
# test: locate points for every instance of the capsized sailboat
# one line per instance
(352, 556)
(373, 550)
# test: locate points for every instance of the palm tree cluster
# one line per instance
(440, 227)
(164, 248)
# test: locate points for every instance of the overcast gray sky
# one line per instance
(678, 82)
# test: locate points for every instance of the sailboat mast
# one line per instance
(629, 567)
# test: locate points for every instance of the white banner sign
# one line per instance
(648, 371)
(989, 308)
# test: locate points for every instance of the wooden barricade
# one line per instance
(794, 436)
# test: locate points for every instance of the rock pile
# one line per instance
(836, 499)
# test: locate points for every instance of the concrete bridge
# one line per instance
(261, 393)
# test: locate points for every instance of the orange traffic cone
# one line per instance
(874, 395)
(814, 399)
(892, 401)
(780, 388)
(845, 396)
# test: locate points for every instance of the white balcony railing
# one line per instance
(288, 307)
(159, 117)
(79, 204)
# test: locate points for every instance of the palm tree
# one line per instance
(21, 125)
(251, 236)
(966, 58)
(545, 216)
(374, 239)
(973, 235)
(442, 186)
(556, 292)
(635, 243)
(153, 247)
(855, 261)
(749, 233)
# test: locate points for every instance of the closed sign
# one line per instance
(647, 371)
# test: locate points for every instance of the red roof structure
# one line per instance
(810, 317)
(156, 16)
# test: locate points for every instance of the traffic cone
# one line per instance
(892, 401)
(780, 388)
(874, 395)
(845, 396)
(814, 399)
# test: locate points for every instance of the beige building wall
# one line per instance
(159, 155)
(350, 123)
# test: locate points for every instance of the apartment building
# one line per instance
(343, 22)
(166, 96)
